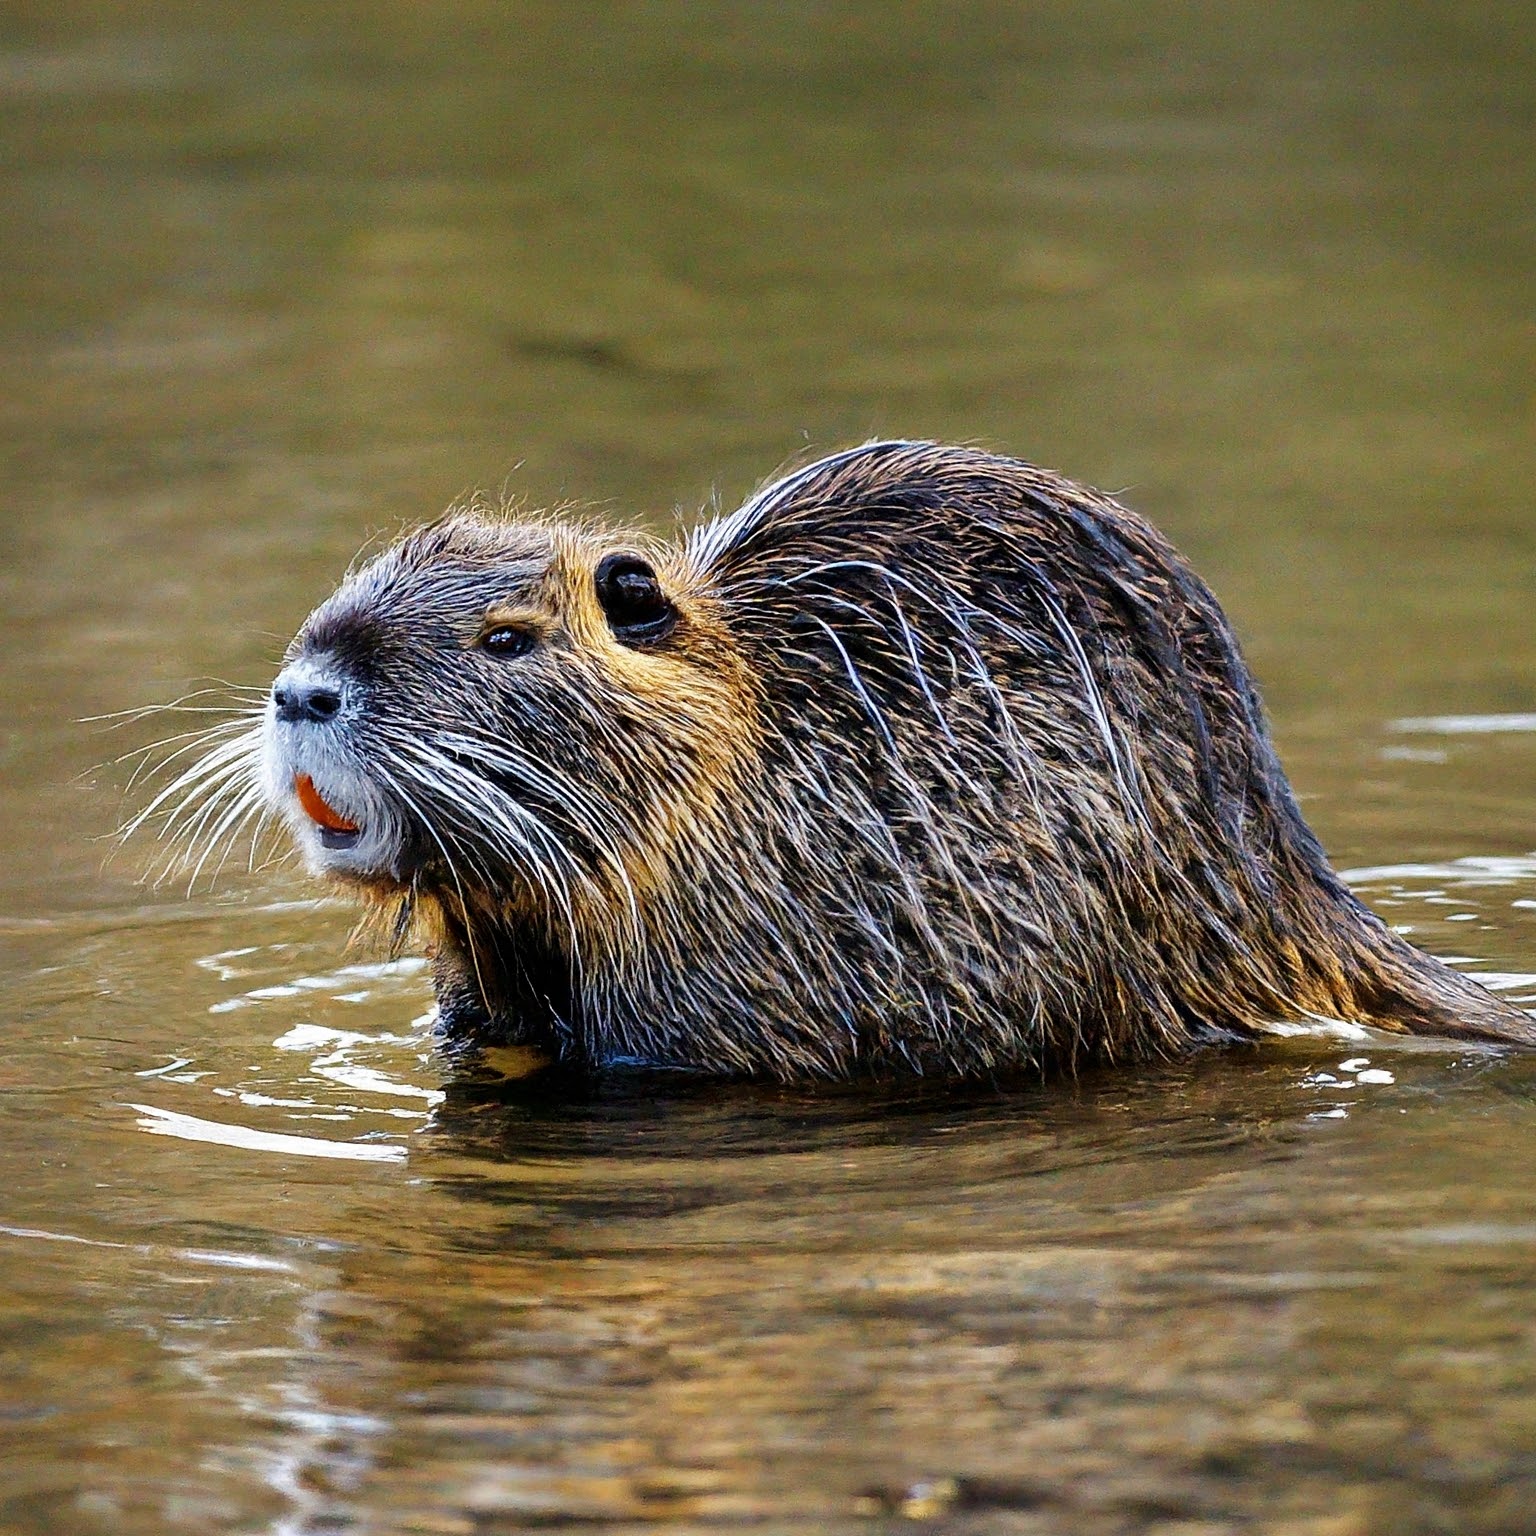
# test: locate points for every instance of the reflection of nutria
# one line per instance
(924, 759)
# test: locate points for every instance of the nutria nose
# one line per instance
(300, 697)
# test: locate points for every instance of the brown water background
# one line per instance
(275, 279)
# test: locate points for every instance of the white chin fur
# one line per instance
(289, 750)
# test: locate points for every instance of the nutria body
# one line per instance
(923, 760)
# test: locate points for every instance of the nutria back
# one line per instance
(925, 759)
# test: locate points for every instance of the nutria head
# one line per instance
(512, 719)
(923, 759)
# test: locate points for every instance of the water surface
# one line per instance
(277, 279)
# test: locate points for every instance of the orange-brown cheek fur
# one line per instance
(711, 724)
(697, 693)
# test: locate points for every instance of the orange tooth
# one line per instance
(316, 808)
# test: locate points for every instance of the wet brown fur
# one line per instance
(948, 765)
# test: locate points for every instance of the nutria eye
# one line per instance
(507, 641)
(632, 598)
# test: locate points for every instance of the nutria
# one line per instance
(924, 759)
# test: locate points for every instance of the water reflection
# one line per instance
(1103, 1307)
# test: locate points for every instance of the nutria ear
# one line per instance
(637, 609)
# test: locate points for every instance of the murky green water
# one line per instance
(276, 278)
